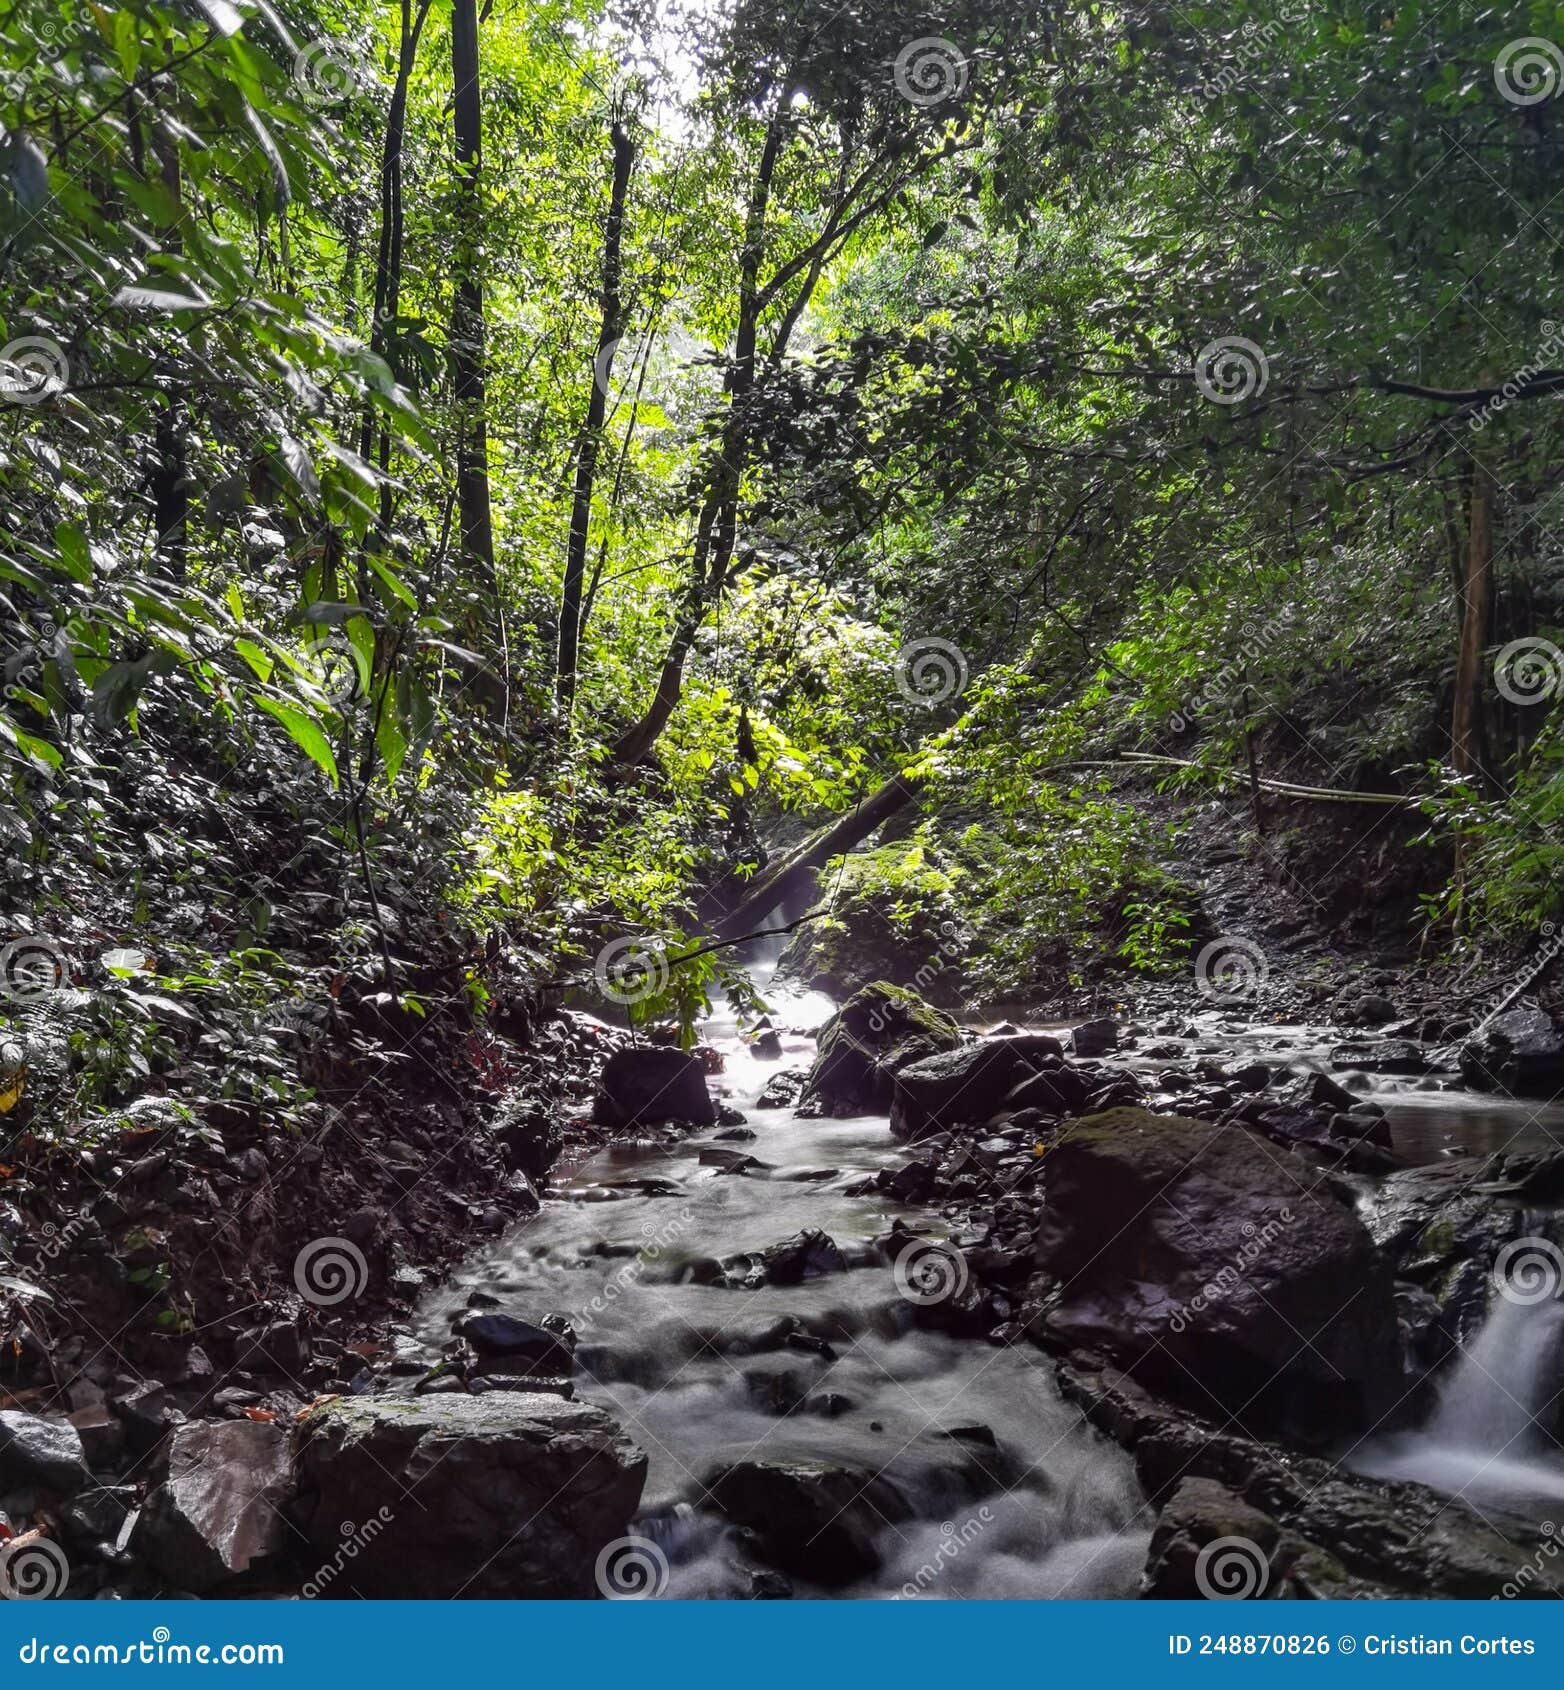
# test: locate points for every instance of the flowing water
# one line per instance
(1047, 1509)
(1035, 1504)
(1483, 1442)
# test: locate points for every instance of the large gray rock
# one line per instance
(38, 1451)
(818, 1519)
(1221, 1268)
(876, 1033)
(219, 1511)
(1521, 1052)
(508, 1494)
(648, 1084)
(970, 1085)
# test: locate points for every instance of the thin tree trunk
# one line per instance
(717, 528)
(610, 328)
(388, 254)
(1476, 598)
(467, 336)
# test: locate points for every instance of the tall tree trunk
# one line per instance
(1476, 599)
(467, 337)
(388, 255)
(610, 328)
(717, 528)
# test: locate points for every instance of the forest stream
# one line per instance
(1009, 1493)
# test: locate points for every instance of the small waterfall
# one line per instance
(1502, 1381)
(1484, 1443)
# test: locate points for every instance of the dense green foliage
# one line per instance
(1148, 362)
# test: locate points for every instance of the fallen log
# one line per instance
(784, 880)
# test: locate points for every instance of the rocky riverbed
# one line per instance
(869, 1303)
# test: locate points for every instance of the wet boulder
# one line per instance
(506, 1494)
(973, 1083)
(35, 1450)
(527, 1134)
(1219, 1268)
(819, 1520)
(810, 1254)
(1520, 1052)
(1382, 1056)
(876, 1033)
(648, 1084)
(219, 1511)
(782, 1090)
(1095, 1038)
(505, 1343)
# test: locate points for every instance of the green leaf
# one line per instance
(306, 733)
(75, 556)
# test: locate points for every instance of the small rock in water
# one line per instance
(1095, 1038)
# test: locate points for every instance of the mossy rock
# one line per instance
(880, 1030)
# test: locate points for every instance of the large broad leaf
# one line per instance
(306, 733)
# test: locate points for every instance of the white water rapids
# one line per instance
(1055, 1510)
